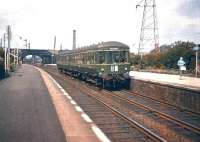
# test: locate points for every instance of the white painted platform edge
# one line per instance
(102, 137)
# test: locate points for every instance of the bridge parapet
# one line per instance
(46, 55)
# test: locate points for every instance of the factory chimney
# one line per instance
(74, 39)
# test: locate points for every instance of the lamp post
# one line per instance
(5, 54)
(52, 58)
(196, 49)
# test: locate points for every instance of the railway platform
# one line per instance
(174, 80)
(35, 108)
(183, 93)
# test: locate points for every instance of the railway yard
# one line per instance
(127, 116)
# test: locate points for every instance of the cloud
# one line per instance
(3, 22)
(191, 32)
(189, 8)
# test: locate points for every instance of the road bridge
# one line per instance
(47, 56)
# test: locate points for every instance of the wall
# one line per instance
(181, 97)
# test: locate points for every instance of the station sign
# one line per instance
(197, 47)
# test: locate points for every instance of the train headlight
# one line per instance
(100, 74)
(125, 69)
(102, 69)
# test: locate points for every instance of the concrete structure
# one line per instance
(27, 112)
(34, 107)
(170, 89)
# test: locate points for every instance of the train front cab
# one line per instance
(113, 68)
(114, 76)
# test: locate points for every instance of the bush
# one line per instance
(168, 57)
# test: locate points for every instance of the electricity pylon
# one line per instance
(149, 37)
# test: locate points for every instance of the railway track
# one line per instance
(162, 103)
(181, 117)
(164, 126)
(116, 125)
(117, 104)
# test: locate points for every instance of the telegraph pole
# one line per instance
(60, 47)
(17, 56)
(8, 55)
(54, 49)
(29, 45)
(5, 53)
(196, 72)
(196, 49)
(26, 45)
(14, 57)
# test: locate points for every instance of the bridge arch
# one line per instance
(46, 55)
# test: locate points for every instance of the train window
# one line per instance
(91, 57)
(123, 56)
(109, 59)
(100, 57)
(126, 56)
(112, 57)
(84, 58)
(96, 57)
(70, 58)
(116, 56)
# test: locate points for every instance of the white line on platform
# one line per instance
(94, 128)
(78, 109)
(100, 134)
(66, 94)
(69, 97)
(73, 102)
(86, 118)
(63, 90)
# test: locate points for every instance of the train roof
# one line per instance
(105, 44)
(102, 45)
(112, 43)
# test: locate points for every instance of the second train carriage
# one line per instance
(105, 64)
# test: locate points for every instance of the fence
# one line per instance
(2, 75)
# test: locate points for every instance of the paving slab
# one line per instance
(76, 127)
(27, 113)
(185, 82)
(35, 108)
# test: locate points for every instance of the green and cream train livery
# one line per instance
(105, 64)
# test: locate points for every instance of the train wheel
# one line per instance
(127, 83)
(115, 84)
(103, 83)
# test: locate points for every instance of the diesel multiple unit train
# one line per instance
(105, 64)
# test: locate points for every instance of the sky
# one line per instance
(95, 21)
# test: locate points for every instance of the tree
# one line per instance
(168, 57)
(1, 52)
